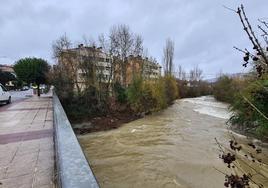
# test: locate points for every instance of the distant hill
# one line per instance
(231, 75)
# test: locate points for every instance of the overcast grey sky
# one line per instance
(204, 32)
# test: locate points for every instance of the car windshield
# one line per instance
(3, 88)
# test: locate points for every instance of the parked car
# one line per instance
(25, 88)
(4, 95)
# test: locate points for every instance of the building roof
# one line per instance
(148, 61)
(6, 68)
(87, 51)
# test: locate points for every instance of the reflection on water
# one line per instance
(173, 148)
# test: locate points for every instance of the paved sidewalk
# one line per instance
(26, 144)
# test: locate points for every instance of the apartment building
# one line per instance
(7, 68)
(91, 63)
(147, 68)
(87, 63)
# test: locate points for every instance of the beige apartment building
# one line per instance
(91, 62)
(7, 68)
(87, 64)
(144, 67)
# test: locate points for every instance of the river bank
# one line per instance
(118, 116)
(125, 115)
(104, 123)
(122, 114)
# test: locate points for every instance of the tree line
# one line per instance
(96, 98)
(93, 97)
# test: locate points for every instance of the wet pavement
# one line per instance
(26, 144)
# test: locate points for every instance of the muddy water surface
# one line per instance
(172, 148)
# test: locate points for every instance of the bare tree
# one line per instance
(195, 74)
(138, 45)
(61, 52)
(198, 73)
(180, 73)
(88, 41)
(168, 57)
(122, 44)
(192, 75)
(63, 43)
(87, 66)
(105, 45)
(259, 54)
(183, 76)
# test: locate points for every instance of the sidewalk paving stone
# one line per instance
(26, 144)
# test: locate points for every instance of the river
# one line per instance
(172, 148)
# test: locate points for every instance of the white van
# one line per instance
(4, 95)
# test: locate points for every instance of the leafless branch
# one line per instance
(228, 8)
(168, 56)
(252, 35)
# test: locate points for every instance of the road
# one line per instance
(17, 96)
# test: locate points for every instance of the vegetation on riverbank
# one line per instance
(126, 92)
(248, 99)
(250, 108)
(195, 88)
(226, 88)
(125, 105)
(152, 95)
(248, 96)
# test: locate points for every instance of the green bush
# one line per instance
(250, 108)
(226, 88)
(248, 100)
(120, 93)
(171, 89)
(85, 105)
(158, 93)
(135, 94)
(140, 95)
(196, 88)
(152, 95)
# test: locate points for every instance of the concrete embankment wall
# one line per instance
(73, 170)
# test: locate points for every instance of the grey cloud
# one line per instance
(204, 32)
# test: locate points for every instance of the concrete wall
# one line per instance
(73, 170)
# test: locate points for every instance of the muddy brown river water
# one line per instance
(172, 148)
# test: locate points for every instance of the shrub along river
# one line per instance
(172, 148)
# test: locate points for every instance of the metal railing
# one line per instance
(73, 170)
